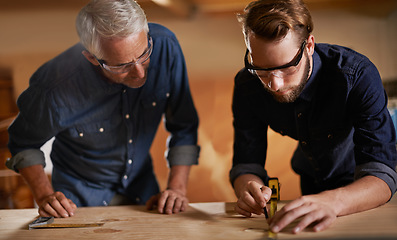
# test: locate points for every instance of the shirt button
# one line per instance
(101, 129)
(125, 177)
(167, 95)
(154, 104)
(127, 116)
(300, 115)
(130, 141)
(81, 134)
(129, 162)
(124, 90)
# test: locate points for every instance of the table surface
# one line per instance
(201, 221)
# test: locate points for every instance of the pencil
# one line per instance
(265, 210)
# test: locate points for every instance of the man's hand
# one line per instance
(50, 203)
(322, 209)
(169, 202)
(317, 209)
(56, 205)
(172, 200)
(252, 195)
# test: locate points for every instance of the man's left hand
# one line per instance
(310, 209)
(169, 202)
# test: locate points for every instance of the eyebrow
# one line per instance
(123, 64)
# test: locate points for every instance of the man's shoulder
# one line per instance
(67, 65)
(158, 30)
(340, 56)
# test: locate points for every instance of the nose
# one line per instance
(274, 82)
(138, 71)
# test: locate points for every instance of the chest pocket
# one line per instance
(98, 135)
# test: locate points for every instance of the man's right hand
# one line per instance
(56, 205)
(50, 203)
(252, 195)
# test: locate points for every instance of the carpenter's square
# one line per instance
(47, 222)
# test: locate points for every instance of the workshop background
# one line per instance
(32, 32)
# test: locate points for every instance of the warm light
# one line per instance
(163, 2)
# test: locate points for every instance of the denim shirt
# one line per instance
(340, 120)
(103, 131)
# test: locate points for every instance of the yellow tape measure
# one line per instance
(274, 185)
(275, 197)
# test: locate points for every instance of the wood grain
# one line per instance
(201, 221)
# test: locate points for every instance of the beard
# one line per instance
(296, 90)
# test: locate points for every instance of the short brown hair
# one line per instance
(272, 19)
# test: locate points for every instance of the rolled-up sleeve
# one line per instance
(248, 168)
(181, 118)
(183, 155)
(380, 170)
(26, 158)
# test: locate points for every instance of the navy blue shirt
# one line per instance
(103, 131)
(340, 120)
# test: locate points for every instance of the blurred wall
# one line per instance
(214, 49)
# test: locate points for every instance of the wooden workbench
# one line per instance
(202, 221)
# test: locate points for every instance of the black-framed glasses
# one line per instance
(280, 71)
(126, 67)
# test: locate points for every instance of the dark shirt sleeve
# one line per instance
(32, 128)
(374, 136)
(181, 118)
(250, 133)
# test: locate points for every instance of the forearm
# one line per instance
(178, 178)
(37, 181)
(363, 194)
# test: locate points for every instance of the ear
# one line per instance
(310, 45)
(90, 57)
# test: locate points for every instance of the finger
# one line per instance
(161, 203)
(47, 210)
(324, 220)
(248, 203)
(284, 217)
(255, 190)
(178, 203)
(185, 205)
(50, 212)
(170, 203)
(66, 203)
(324, 224)
(266, 194)
(57, 206)
(241, 211)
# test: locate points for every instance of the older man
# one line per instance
(103, 100)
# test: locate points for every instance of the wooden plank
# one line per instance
(200, 221)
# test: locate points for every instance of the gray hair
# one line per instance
(109, 19)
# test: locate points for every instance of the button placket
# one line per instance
(128, 121)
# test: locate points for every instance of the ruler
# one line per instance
(47, 222)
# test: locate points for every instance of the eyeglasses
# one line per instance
(126, 67)
(281, 71)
